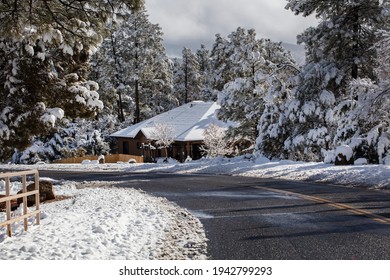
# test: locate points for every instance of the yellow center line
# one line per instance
(337, 205)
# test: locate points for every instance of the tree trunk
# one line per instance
(186, 80)
(121, 115)
(137, 118)
(355, 48)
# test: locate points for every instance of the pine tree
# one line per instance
(133, 64)
(207, 92)
(187, 77)
(42, 85)
(75, 21)
(365, 126)
(278, 82)
(106, 71)
(239, 100)
(247, 65)
(45, 47)
(75, 139)
(221, 66)
(338, 51)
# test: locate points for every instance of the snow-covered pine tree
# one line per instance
(105, 70)
(159, 88)
(207, 93)
(249, 65)
(239, 98)
(76, 22)
(278, 82)
(45, 47)
(187, 77)
(203, 57)
(134, 64)
(338, 50)
(221, 72)
(178, 80)
(74, 139)
(365, 126)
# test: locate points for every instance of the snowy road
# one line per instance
(253, 218)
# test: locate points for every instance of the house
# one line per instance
(188, 121)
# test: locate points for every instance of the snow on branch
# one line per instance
(51, 115)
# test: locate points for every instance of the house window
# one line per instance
(126, 148)
(140, 145)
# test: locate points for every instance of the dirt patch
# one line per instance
(58, 198)
(15, 205)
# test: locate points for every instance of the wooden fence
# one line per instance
(8, 197)
(108, 159)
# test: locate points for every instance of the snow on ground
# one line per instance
(106, 223)
(103, 222)
(369, 176)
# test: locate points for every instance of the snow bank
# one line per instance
(106, 223)
(369, 176)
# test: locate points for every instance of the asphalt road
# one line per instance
(251, 218)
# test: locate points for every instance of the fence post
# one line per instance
(24, 190)
(8, 205)
(37, 199)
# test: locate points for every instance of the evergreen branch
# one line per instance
(288, 65)
(381, 94)
(58, 22)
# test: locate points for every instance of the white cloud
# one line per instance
(190, 23)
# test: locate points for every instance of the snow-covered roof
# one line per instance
(188, 121)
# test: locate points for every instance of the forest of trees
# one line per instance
(70, 79)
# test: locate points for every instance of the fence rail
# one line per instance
(8, 198)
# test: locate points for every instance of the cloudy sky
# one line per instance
(193, 22)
